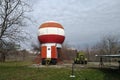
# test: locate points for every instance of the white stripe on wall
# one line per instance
(48, 51)
(53, 30)
(52, 44)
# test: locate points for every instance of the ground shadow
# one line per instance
(110, 73)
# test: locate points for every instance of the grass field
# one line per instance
(21, 71)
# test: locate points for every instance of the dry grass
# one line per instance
(21, 71)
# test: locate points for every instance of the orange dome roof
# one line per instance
(51, 24)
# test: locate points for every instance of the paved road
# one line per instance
(69, 65)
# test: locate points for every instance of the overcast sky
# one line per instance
(85, 21)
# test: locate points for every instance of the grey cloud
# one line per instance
(85, 21)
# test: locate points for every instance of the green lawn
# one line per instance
(21, 71)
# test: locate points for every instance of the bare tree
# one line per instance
(87, 51)
(12, 21)
(107, 45)
(36, 47)
(67, 52)
(4, 51)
